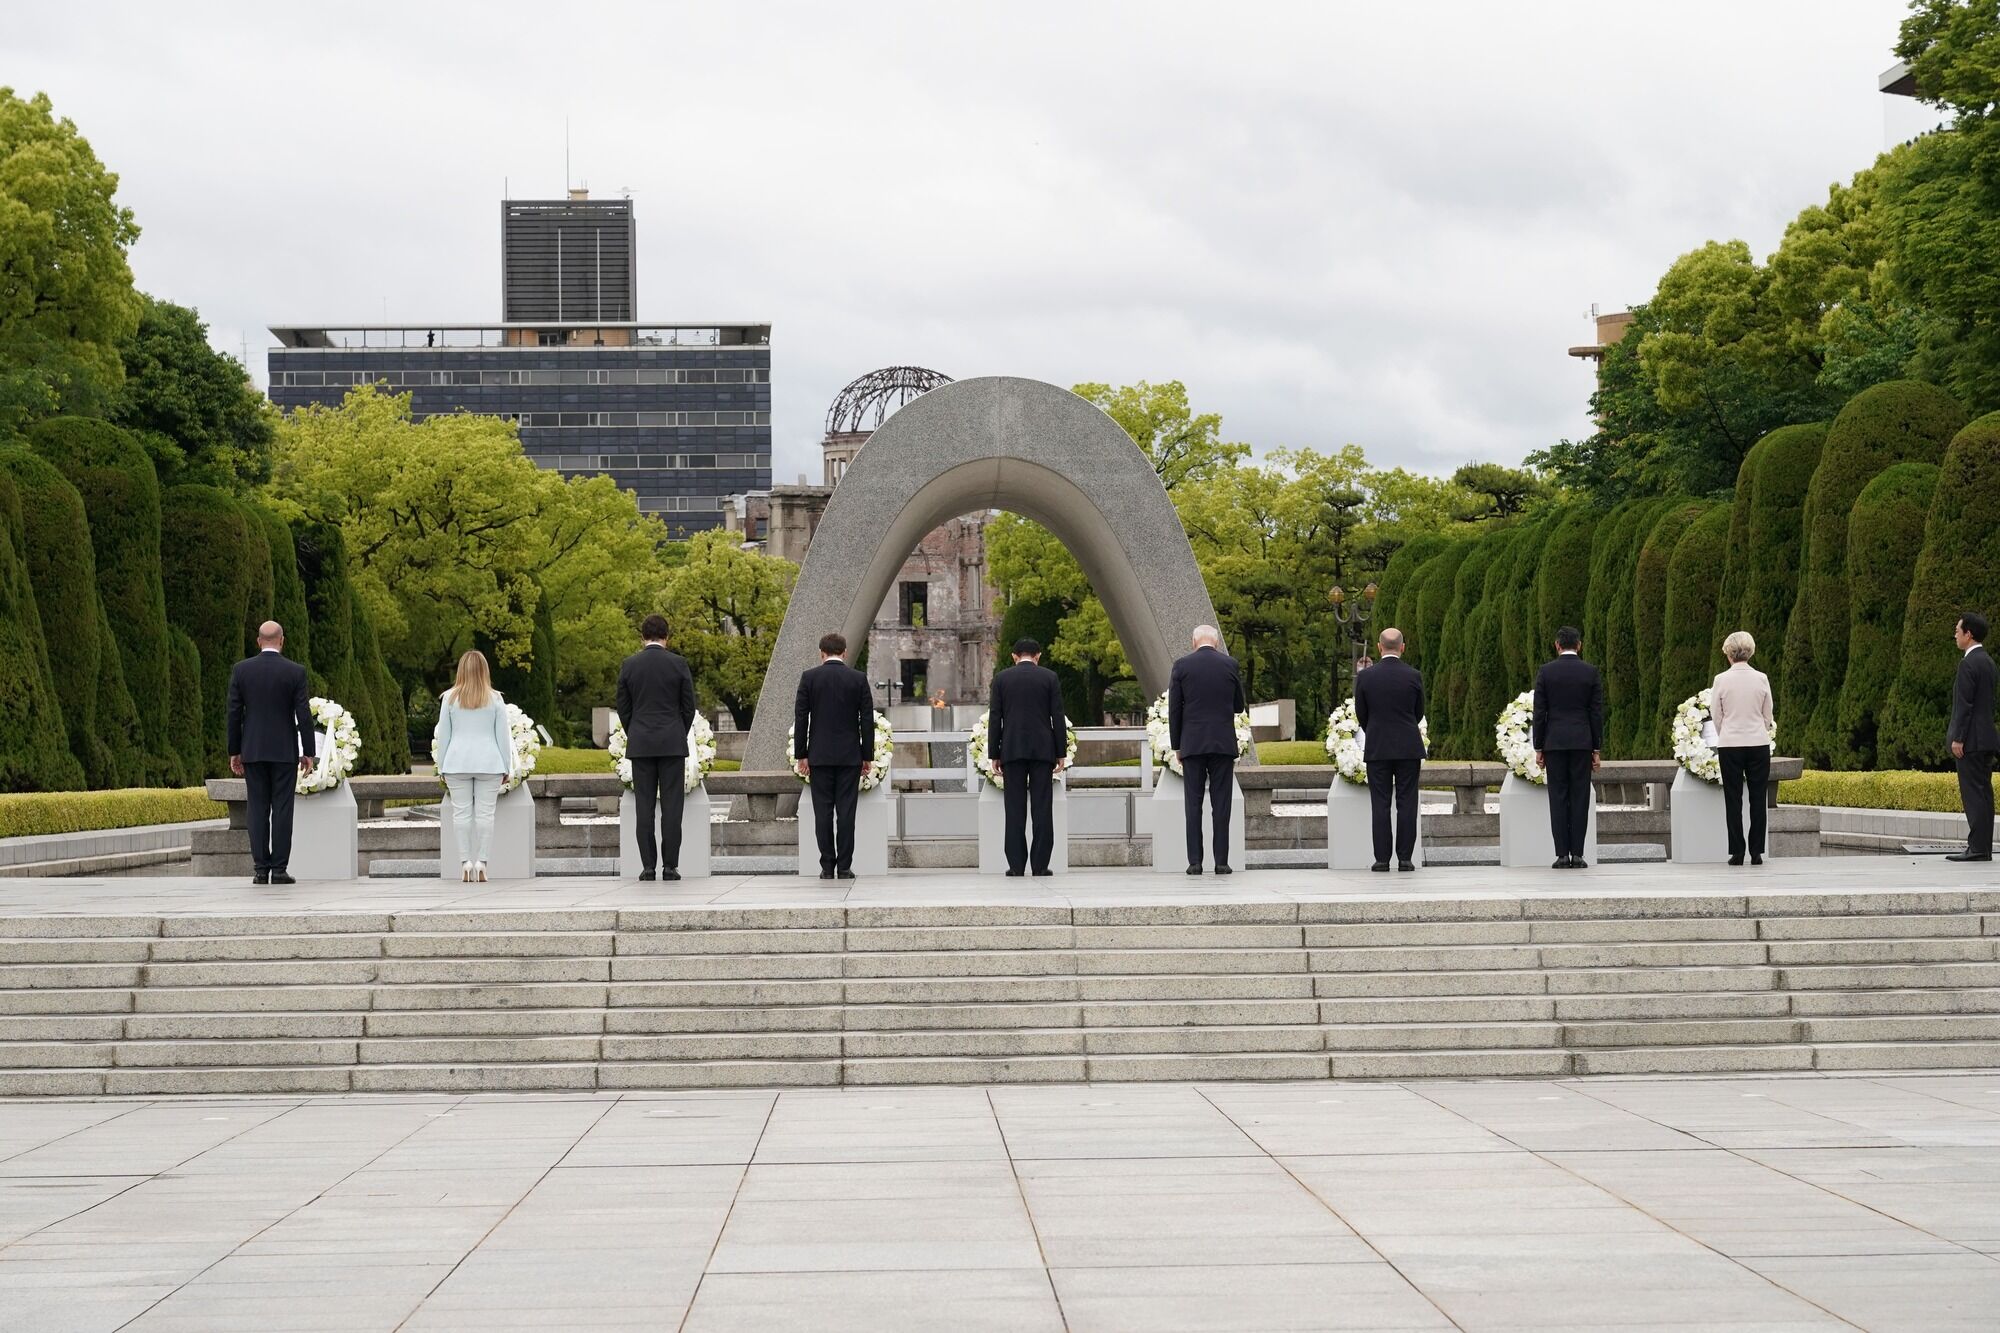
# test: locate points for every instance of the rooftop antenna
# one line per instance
(566, 178)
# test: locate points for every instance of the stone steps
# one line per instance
(716, 997)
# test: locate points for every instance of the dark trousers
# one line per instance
(835, 788)
(1214, 774)
(1398, 778)
(1745, 766)
(658, 781)
(1029, 787)
(270, 788)
(1570, 798)
(1975, 791)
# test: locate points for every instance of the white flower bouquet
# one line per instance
(339, 745)
(1160, 733)
(885, 744)
(1691, 744)
(1513, 735)
(1346, 742)
(527, 739)
(989, 768)
(700, 760)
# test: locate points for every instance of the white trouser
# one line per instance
(472, 798)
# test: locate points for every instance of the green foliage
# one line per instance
(205, 542)
(121, 496)
(1291, 752)
(724, 607)
(1885, 534)
(288, 591)
(259, 577)
(422, 711)
(1041, 622)
(1959, 570)
(66, 299)
(1694, 578)
(1488, 686)
(560, 759)
(40, 814)
(83, 658)
(1431, 591)
(1181, 445)
(1449, 679)
(1524, 643)
(1902, 421)
(1765, 555)
(183, 698)
(1562, 581)
(34, 748)
(1498, 491)
(1396, 575)
(386, 747)
(193, 408)
(1646, 736)
(1617, 647)
(1890, 789)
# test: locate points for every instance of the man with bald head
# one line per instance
(1389, 709)
(1204, 695)
(270, 744)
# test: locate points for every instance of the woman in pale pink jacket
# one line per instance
(1741, 711)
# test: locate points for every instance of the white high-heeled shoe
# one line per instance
(465, 872)
(479, 871)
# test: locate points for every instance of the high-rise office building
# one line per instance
(677, 412)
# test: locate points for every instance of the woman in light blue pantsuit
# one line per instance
(473, 748)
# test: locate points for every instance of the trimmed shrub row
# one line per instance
(36, 814)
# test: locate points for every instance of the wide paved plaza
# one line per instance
(1742, 1204)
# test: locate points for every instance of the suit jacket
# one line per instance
(1741, 707)
(833, 716)
(656, 703)
(1204, 695)
(1389, 705)
(1026, 719)
(1972, 703)
(270, 714)
(1569, 705)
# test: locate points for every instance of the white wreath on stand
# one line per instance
(885, 745)
(991, 769)
(1693, 746)
(1346, 742)
(338, 745)
(700, 755)
(1159, 733)
(1513, 736)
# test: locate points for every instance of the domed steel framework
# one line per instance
(870, 400)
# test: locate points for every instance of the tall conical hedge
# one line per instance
(390, 752)
(1958, 571)
(34, 747)
(1433, 588)
(1648, 735)
(1562, 582)
(1885, 535)
(337, 659)
(207, 557)
(1447, 685)
(1900, 421)
(259, 578)
(1692, 654)
(1396, 575)
(288, 591)
(121, 496)
(1767, 558)
(1616, 646)
(1488, 686)
(1523, 644)
(184, 711)
(64, 575)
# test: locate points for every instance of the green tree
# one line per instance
(1761, 575)
(1885, 534)
(388, 750)
(1616, 636)
(34, 748)
(1955, 573)
(66, 301)
(725, 606)
(288, 591)
(1181, 445)
(205, 541)
(1396, 576)
(1496, 491)
(1651, 578)
(184, 713)
(1488, 686)
(1694, 579)
(1524, 644)
(194, 408)
(1449, 684)
(1562, 583)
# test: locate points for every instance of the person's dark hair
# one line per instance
(653, 627)
(833, 645)
(1569, 637)
(1027, 648)
(1975, 625)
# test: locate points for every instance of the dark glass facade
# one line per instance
(679, 426)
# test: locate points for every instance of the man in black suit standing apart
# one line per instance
(1389, 705)
(1025, 727)
(1569, 739)
(833, 737)
(270, 744)
(1972, 736)
(656, 704)
(1204, 695)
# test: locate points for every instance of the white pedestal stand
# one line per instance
(695, 833)
(1525, 837)
(1695, 821)
(511, 855)
(874, 812)
(326, 835)
(993, 828)
(1166, 820)
(1350, 828)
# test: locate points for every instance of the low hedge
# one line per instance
(26, 814)
(1890, 789)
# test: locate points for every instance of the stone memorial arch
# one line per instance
(993, 443)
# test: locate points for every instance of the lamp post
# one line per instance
(1353, 621)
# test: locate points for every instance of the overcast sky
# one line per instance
(1337, 223)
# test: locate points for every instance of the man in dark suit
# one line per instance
(833, 738)
(1025, 727)
(1569, 739)
(656, 704)
(1973, 737)
(1204, 695)
(270, 744)
(1389, 705)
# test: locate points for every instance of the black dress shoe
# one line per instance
(670, 874)
(826, 874)
(1736, 860)
(1380, 867)
(1406, 865)
(645, 874)
(261, 877)
(1224, 870)
(1756, 858)
(1016, 874)
(1578, 863)
(280, 877)
(1039, 873)
(1970, 856)
(1194, 870)
(843, 874)
(1560, 863)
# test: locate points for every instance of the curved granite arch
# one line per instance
(992, 443)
